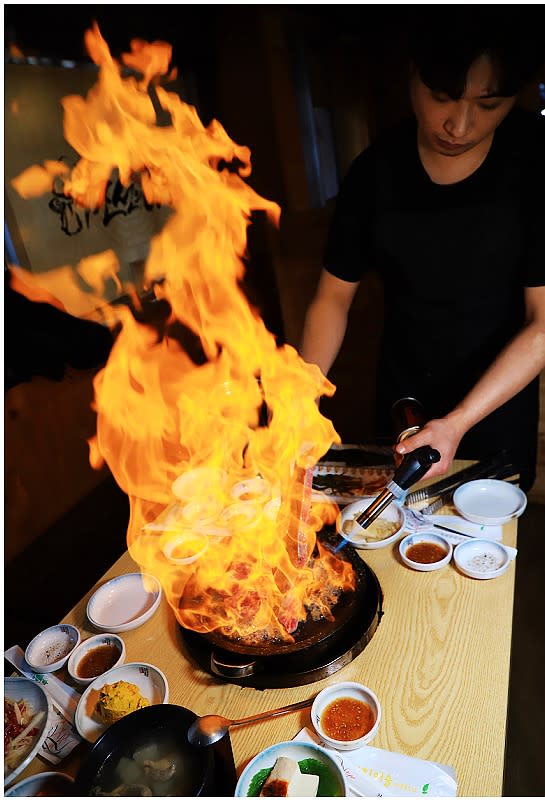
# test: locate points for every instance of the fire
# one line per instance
(207, 425)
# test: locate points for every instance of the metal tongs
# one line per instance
(413, 467)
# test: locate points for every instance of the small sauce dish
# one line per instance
(94, 656)
(51, 648)
(346, 715)
(425, 551)
(482, 559)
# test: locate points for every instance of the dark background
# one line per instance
(305, 87)
(342, 55)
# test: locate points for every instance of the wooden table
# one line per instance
(439, 663)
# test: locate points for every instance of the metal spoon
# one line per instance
(212, 727)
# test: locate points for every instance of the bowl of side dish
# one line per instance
(384, 530)
(346, 715)
(26, 710)
(94, 656)
(116, 694)
(425, 552)
(302, 769)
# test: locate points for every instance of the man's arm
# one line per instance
(517, 364)
(326, 319)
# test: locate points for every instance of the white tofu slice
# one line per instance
(304, 786)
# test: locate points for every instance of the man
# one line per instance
(448, 208)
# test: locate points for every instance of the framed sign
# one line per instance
(51, 234)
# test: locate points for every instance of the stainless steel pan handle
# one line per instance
(228, 670)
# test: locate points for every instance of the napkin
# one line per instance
(416, 522)
(372, 772)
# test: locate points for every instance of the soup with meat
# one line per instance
(161, 769)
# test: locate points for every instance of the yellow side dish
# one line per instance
(116, 700)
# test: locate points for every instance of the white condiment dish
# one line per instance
(83, 650)
(393, 514)
(481, 558)
(151, 682)
(51, 648)
(489, 501)
(124, 603)
(297, 751)
(338, 691)
(419, 538)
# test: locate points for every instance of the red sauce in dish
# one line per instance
(98, 660)
(425, 553)
(346, 719)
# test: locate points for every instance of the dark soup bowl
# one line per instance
(147, 751)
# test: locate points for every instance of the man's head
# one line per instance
(467, 67)
(445, 41)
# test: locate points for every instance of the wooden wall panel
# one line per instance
(46, 462)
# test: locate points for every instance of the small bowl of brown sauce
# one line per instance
(346, 715)
(425, 551)
(94, 656)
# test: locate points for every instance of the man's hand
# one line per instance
(442, 434)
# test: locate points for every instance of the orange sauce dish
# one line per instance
(346, 719)
(425, 553)
(98, 660)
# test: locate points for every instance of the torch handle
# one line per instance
(415, 465)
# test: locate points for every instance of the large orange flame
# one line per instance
(213, 450)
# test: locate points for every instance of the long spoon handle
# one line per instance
(274, 713)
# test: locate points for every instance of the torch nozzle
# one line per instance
(376, 508)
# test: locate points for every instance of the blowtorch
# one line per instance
(408, 416)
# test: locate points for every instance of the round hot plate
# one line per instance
(300, 667)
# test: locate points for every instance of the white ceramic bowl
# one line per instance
(298, 751)
(151, 682)
(338, 691)
(481, 558)
(51, 648)
(37, 700)
(393, 514)
(84, 648)
(419, 538)
(125, 602)
(489, 501)
(44, 784)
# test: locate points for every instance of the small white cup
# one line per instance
(100, 640)
(354, 691)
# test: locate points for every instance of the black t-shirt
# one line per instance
(454, 260)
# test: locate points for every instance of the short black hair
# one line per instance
(445, 41)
